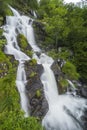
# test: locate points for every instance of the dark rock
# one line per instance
(58, 75)
(82, 91)
(40, 33)
(56, 69)
(38, 104)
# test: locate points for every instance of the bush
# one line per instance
(63, 54)
(70, 71)
(14, 120)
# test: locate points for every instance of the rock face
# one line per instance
(40, 33)
(82, 91)
(38, 103)
(58, 75)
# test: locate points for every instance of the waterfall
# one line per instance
(12, 48)
(65, 111)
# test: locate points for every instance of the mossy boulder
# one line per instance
(24, 45)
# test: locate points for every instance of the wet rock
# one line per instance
(34, 87)
(82, 91)
(58, 75)
(56, 69)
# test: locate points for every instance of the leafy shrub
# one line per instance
(14, 120)
(4, 9)
(70, 70)
(63, 54)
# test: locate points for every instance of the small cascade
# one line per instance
(71, 84)
(12, 48)
(71, 89)
(65, 111)
(20, 82)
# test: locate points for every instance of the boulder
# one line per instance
(34, 87)
(58, 75)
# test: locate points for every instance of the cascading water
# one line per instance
(12, 48)
(65, 111)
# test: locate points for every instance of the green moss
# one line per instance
(33, 62)
(1, 21)
(22, 41)
(9, 12)
(2, 43)
(1, 31)
(29, 53)
(38, 93)
(33, 74)
(2, 40)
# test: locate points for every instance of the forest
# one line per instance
(64, 28)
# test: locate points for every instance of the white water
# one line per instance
(65, 111)
(12, 48)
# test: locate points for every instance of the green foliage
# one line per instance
(4, 9)
(53, 54)
(25, 6)
(63, 83)
(65, 26)
(14, 120)
(9, 97)
(64, 53)
(80, 59)
(22, 41)
(33, 62)
(54, 15)
(70, 70)
(38, 93)
(1, 22)
(29, 53)
(2, 40)
(1, 30)
(32, 74)
(8, 94)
